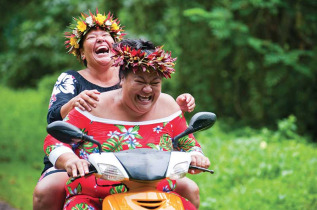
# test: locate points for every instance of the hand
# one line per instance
(200, 161)
(76, 166)
(86, 100)
(186, 102)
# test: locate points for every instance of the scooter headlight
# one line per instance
(110, 172)
(179, 171)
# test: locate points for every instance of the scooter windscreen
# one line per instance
(144, 164)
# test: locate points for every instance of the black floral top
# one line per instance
(68, 85)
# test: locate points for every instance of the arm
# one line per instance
(190, 144)
(65, 96)
(62, 155)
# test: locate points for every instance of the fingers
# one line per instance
(76, 168)
(190, 100)
(200, 161)
(186, 102)
(87, 100)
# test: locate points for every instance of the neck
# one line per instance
(102, 76)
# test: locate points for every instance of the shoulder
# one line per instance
(106, 100)
(166, 100)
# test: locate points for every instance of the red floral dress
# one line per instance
(116, 136)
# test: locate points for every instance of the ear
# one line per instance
(121, 81)
(82, 55)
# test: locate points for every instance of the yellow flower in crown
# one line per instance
(82, 25)
(73, 42)
(114, 26)
(100, 19)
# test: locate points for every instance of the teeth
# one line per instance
(144, 98)
(102, 50)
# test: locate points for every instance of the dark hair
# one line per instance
(145, 46)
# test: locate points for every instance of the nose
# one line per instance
(101, 39)
(147, 88)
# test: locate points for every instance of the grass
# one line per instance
(253, 169)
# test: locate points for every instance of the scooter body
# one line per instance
(144, 199)
(139, 169)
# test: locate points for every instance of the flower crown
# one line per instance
(160, 60)
(81, 26)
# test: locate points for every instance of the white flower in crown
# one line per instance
(119, 33)
(108, 23)
(75, 32)
(89, 21)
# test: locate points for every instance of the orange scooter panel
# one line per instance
(142, 201)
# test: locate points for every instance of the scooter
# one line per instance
(139, 169)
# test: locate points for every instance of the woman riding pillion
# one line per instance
(135, 116)
(90, 40)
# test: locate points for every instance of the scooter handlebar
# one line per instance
(202, 169)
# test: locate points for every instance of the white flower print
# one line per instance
(157, 129)
(132, 143)
(65, 84)
(129, 134)
(114, 134)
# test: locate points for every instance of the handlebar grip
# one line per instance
(202, 169)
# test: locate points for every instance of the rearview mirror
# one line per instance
(200, 121)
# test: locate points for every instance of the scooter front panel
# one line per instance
(143, 201)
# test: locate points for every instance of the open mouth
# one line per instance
(144, 98)
(102, 50)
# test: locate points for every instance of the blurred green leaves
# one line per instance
(250, 61)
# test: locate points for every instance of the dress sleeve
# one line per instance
(187, 143)
(64, 90)
(54, 148)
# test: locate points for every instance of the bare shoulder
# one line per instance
(166, 100)
(106, 100)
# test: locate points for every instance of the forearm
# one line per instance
(66, 108)
(63, 159)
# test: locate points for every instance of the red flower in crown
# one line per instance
(159, 61)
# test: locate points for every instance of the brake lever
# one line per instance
(202, 169)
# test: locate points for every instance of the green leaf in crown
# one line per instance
(113, 145)
(186, 143)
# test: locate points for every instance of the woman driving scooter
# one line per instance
(136, 116)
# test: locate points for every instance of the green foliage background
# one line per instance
(252, 62)
(254, 169)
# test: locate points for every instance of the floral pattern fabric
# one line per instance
(68, 85)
